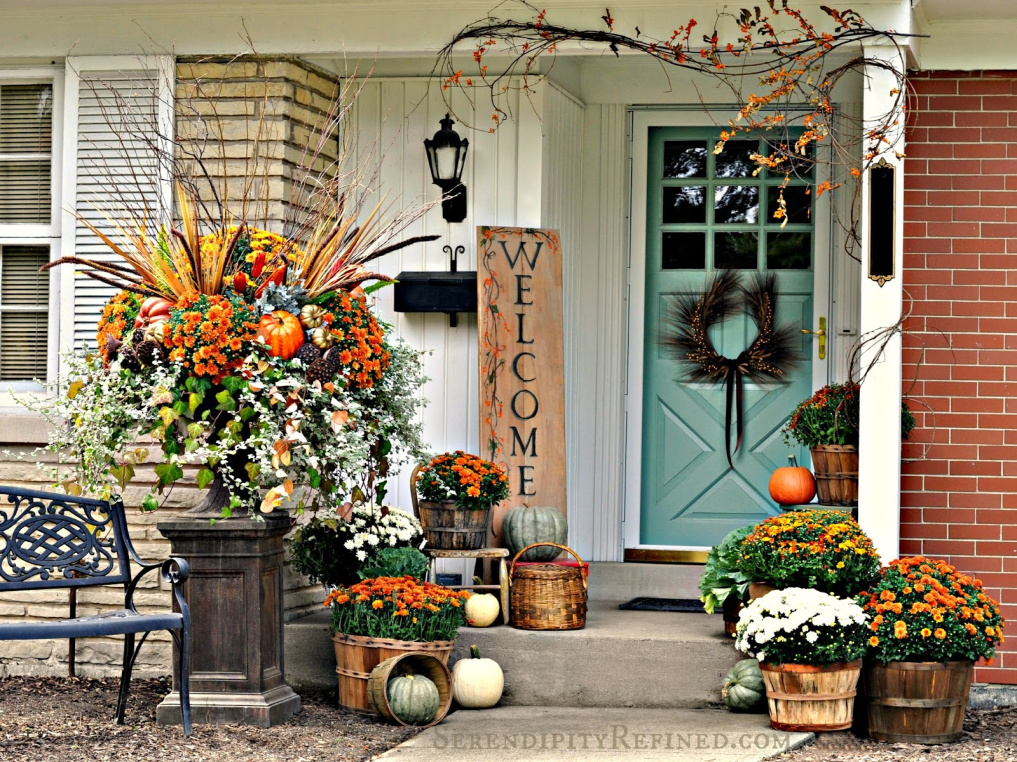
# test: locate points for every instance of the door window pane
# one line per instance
(798, 165)
(735, 203)
(788, 251)
(797, 200)
(735, 251)
(684, 158)
(684, 204)
(683, 251)
(735, 160)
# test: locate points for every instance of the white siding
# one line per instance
(115, 170)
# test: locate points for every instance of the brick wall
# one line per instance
(959, 482)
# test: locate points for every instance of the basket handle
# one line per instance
(582, 574)
(414, 478)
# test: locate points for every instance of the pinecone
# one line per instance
(129, 360)
(307, 354)
(321, 371)
(149, 353)
(332, 355)
(138, 336)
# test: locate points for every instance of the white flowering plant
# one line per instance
(802, 626)
(337, 543)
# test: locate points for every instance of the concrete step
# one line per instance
(620, 659)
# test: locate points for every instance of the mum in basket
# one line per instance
(808, 643)
(929, 625)
(379, 618)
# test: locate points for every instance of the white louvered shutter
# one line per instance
(26, 163)
(117, 174)
(26, 147)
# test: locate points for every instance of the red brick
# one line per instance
(969, 293)
(942, 87)
(977, 151)
(997, 516)
(973, 372)
(950, 547)
(978, 246)
(925, 530)
(973, 532)
(982, 119)
(997, 134)
(975, 468)
(910, 547)
(1008, 533)
(977, 405)
(955, 483)
(948, 515)
(975, 436)
(986, 87)
(976, 277)
(940, 119)
(928, 182)
(979, 214)
(930, 214)
(956, 167)
(995, 230)
(996, 484)
(957, 134)
(979, 500)
(998, 325)
(917, 151)
(996, 389)
(979, 182)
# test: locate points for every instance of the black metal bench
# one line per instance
(50, 541)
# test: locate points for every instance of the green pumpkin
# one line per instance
(524, 526)
(744, 689)
(414, 699)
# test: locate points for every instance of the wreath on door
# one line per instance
(769, 357)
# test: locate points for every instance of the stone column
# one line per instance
(235, 595)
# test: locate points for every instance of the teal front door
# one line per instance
(707, 212)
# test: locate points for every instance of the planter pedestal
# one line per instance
(235, 592)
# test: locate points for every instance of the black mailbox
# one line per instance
(448, 292)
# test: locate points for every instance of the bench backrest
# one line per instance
(50, 540)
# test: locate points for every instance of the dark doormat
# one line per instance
(684, 605)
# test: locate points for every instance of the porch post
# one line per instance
(881, 306)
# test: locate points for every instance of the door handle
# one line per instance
(821, 335)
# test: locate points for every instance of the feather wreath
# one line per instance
(769, 357)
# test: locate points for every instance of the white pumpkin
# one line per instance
(477, 683)
(482, 610)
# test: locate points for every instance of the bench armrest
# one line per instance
(173, 570)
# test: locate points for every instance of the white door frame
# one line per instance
(694, 116)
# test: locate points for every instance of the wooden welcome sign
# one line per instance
(522, 373)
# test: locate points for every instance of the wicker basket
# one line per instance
(547, 596)
(357, 655)
(409, 663)
(447, 526)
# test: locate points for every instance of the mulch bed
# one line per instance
(71, 719)
(990, 735)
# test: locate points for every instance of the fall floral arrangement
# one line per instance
(397, 608)
(802, 626)
(830, 417)
(467, 479)
(925, 610)
(250, 357)
(824, 550)
(337, 543)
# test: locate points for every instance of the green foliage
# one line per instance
(721, 577)
(396, 562)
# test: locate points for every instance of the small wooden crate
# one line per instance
(547, 596)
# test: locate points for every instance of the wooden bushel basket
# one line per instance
(409, 663)
(836, 470)
(447, 526)
(802, 697)
(547, 596)
(356, 656)
(918, 702)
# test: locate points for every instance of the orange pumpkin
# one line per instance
(792, 484)
(153, 310)
(282, 332)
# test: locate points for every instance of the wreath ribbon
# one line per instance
(770, 356)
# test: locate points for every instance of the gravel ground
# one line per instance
(70, 719)
(990, 735)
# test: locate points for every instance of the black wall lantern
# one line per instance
(446, 157)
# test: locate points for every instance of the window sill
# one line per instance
(20, 427)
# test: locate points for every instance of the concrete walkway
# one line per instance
(523, 733)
